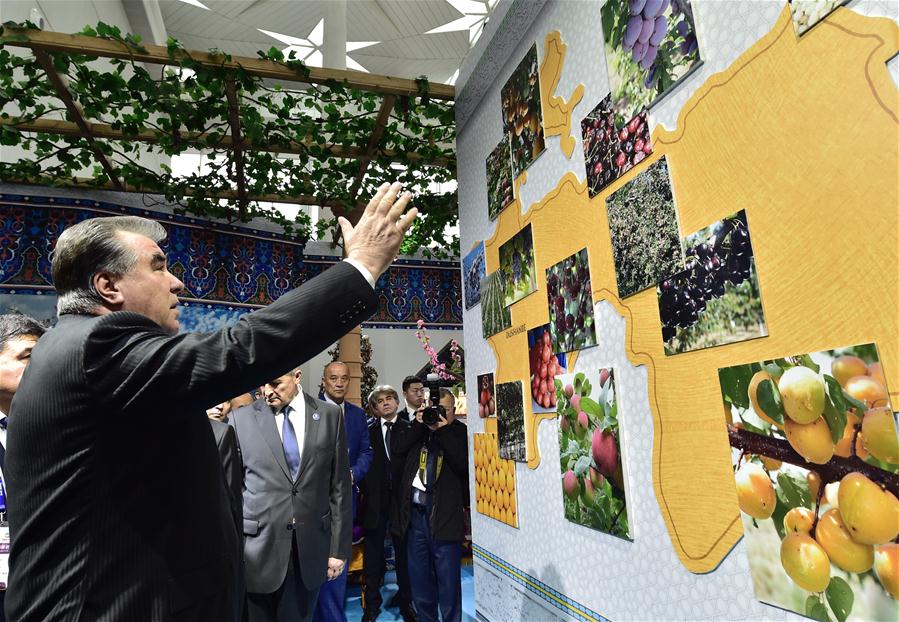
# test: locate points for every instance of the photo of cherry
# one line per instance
(610, 152)
(486, 396)
(570, 297)
(544, 366)
(815, 452)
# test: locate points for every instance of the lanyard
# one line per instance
(423, 465)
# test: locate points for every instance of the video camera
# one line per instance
(434, 412)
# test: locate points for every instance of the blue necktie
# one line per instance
(291, 446)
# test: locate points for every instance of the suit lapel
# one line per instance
(313, 424)
(265, 419)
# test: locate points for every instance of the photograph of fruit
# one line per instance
(611, 152)
(499, 178)
(816, 465)
(589, 447)
(474, 269)
(486, 396)
(716, 299)
(494, 488)
(495, 315)
(570, 298)
(544, 366)
(510, 421)
(807, 13)
(650, 46)
(643, 225)
(523, 114)
(516, 263)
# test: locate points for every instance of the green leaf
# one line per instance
(793, 489)
(816, 610)
(835, 392)
(835, 419)
(591, 407)
(734, 383)
(806, 361)
(840, 598)
(774, 370)
(770, 401)
(581, 466)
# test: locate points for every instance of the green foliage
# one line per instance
(190, 98)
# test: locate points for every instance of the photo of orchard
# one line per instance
(590, 452)
(510, 421)
(523, 114)
(816, 465)
(499, 178)
(495, 315)
(516, 263)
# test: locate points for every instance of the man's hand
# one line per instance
(375, 241)
(335, 567)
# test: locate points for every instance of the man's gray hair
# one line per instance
(90, 247)
(380, 390)
(17, 325)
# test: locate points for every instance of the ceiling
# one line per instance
(401, 38)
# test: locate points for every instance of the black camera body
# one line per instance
(433, 412)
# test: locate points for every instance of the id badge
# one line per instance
(4, 555)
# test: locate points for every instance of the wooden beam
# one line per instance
(370, 151)
(157, 54)
(62, 91)
(237, 148)
(198, 140)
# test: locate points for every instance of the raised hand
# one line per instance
(375, 240)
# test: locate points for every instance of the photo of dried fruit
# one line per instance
(807, 13)
(643, 225)
(611, 152)
(716, 299)
(570, 297)
(590, 452)
(510, 421)
(650, 46)
(486, 393)
(516, 263)
(815, 452)
(523, 114)
(544, 366)
(494, 489)
(495, 315)
(499, 178)
(474, 269)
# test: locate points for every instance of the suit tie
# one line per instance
(291, 446)
(388, 425)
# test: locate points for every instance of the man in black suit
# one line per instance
(297, 499)
(414, 396)
(229, 455)
(18, 336)
(432, 497)
(109, 522)
(380, 507)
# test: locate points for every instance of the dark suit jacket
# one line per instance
(357, 439)
(112, 522)
(232, 466)
(378, 492)
(405, 415)
(316, 506)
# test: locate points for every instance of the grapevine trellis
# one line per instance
(274, 130)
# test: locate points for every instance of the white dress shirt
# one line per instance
(340, 405)
(297, 418)
(364, 271)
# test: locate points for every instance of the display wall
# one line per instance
(709, 247)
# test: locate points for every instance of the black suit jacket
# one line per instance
(232, 467)
(405, 415)
(377, 489)
(316, 507)
(111, 521)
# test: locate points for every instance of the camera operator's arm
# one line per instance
(401, 444)
(453, 438)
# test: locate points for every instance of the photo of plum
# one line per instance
(815, 453)
(516, 263)
(486, 399)
(716, 299)
(650, 46)
(593, 489)
(495, 315)
(499, 178)
(510, 421)
(523, 114)
(807, 13)
(611, 152)
(474, 269)
(494, 490)
(544, 366)
(570, 298)
(646, 244)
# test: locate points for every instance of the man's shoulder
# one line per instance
(321, 406)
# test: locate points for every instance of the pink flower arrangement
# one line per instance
(454, 371)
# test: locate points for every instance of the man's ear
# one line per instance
(298, 376)
(107, 287)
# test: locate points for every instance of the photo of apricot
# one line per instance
(805, 562)
(494, 481)
(755, 492)
(870, 513)
(812, 441)
(843, 551)
(803, 394)
(868, 390)
(847, 366)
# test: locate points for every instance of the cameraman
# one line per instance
(433, 493)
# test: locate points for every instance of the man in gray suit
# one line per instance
(297, 500)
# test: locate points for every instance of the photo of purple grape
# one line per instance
(650, 46)
(474, 268)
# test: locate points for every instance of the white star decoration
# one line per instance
(475, 14)
(309, 50)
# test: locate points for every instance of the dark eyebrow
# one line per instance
(158, 259)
